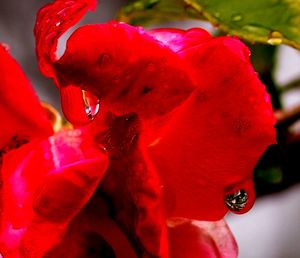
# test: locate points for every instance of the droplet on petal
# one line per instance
(79, 107)
(91, 104)
(237, 201)
(104, 59)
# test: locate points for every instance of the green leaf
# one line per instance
(143, 12)
(265, 21)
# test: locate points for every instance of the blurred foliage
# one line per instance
(263, 58)
(154, 11)
(264, 21)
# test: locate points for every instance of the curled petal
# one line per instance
(196, 239)
(41, 204)
(52, 21)
(22, 117)
(213, 142)
(128, 70)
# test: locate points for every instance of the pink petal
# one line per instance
(194, 239)
(45, 185)
(179, 40)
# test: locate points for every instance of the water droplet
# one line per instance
(140, 29)
(5, 46)
(217, 15)
(253, 29)
(237, 201)
(114, 24)
(104, 59)
(79, 107)
(91, 104)
(236, 17)
(275, 38)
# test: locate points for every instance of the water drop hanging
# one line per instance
(275, 38)
(91, 104)
(237, 201)
(79, 107)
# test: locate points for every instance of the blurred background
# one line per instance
(272, 228)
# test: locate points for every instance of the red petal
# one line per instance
(179, 40)
(213, 142)
(73, 105)
(123, 66)
(128, 70)
(20, 111)
(69, 168)
(194, 239)
(133, 188)
(52, 21)
(93, 234)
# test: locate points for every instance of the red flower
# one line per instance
(183, 120)
(47, 181)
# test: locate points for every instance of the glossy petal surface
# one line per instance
(129, 70)
(213, 142)
(40, 183)
(194, 239)
(178, 40)
(52, 21)
(22, 116)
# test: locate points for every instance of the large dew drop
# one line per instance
(237, 201)
(91, 104)
(79, 107)
(241, 198)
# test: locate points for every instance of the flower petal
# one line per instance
(212, 143)
(122, 65)
(52, 21)
(93, 234)
(133, 188)
(128, 70)
(179, 40)
(194, 239)
(21, 114)
(69, 168)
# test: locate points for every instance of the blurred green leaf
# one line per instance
(265, 21)
(143, 12)
(263, 58)
(272, 175)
